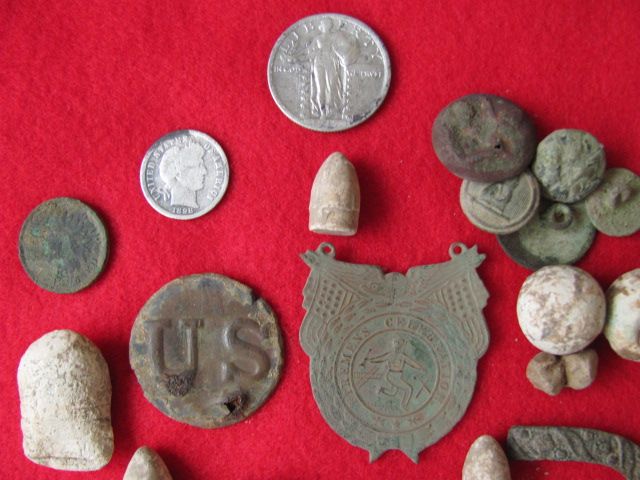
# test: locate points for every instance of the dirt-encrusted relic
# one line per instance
(65, 403)
(561, 309)
(206, 350)
(486, 460)
(484, 138)
(551, 373)
(334, 207)
(146, 464)
(393, 357)
(575, 445)
(622, 328)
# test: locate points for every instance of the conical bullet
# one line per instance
(335, 198)
(146, 464)
(486, 460)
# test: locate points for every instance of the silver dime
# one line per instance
(184, 174)
(329, 72)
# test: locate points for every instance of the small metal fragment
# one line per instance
(334, 207)
(623, 315)
(581, 368)
(393, 357)
(486, 460)
(63, 245)
(569, 165)
(575, 445)
(501, 207)
(558, 234)
(146, 464)
(614, 208)
(561, 309)
(206, 351)
(484, 138)
(546, 372)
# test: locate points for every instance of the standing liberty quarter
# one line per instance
(184, 174)
(206, 350)
(329, 72)
(63, 245)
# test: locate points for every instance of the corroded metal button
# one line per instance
(206, 351)
(569, 165)
(484, 138)
(557, 234)
(614, 207)
(63, 245)
(501, 207)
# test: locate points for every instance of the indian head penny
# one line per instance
(329, 72)
(206, 350)
(63, 245)
(184, 174)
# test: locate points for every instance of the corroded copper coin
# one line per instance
(63, 245)
(484, 138)
(558, 234)
(501, 207)
(614, 208)
(206, 351)
(569, 165)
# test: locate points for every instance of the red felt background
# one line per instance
(87, 86)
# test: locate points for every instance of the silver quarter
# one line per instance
(329, 72)
(184, 174)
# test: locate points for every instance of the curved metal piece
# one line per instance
(576, 445)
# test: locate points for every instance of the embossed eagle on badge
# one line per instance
(393, 357)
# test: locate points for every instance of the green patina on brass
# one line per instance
(559, 234)
(393, 357)
(63, 245)
(614, 208)
(569, 165)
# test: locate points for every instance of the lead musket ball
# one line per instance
(561, 309)
(623, 315)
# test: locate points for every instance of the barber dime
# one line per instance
(184, 174)
(63, 245)
(206, 350)
(329, 72)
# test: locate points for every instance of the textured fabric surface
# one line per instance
(87, 86)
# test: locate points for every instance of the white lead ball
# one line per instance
(623, 315)
(561, 309)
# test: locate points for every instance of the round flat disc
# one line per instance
(206, 351)
(614, 208)
(558, 234)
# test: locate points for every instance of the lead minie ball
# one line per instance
(146, 464)
(561, 309)
(65, 403)
(486, 460)
(335, 198)
(623, 315)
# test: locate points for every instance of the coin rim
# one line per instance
(385, 60)
(102, 233)
(145, 161)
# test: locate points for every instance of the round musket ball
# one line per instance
(561, 309)
(623, 315)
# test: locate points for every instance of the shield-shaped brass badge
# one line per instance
(393, 357)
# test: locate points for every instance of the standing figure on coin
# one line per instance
(183, 172)
(329, 54)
